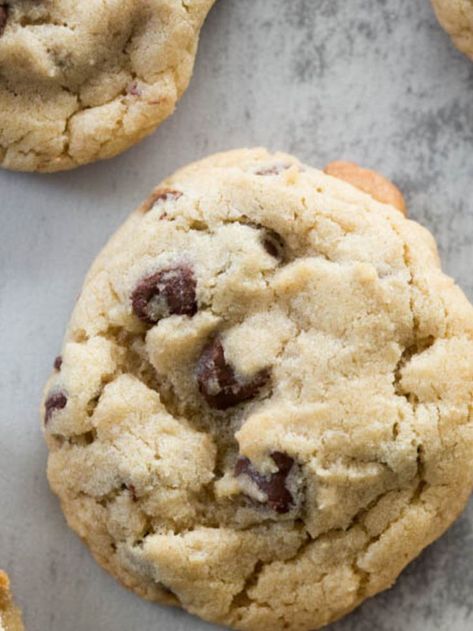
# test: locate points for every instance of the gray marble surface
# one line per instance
(369, 80)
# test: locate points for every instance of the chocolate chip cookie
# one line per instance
(82, 81)
(262, 408)
(10, 616)
(456, 17)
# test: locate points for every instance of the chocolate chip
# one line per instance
(165, 194)
(159, 195)
(3, 17)
(134, 89)
(275, 169)
(218, 382)
(279, 498)
(56, 401)
(273, 244)
(132, 489)
(171, 291)
(58, 363)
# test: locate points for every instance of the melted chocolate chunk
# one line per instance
(221, 387)
(273, 244)
(58, 363)
(170, 291)
(56, 401)
(159, 195)
(279, 498)
(3, 17)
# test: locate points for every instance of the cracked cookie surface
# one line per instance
(456, 17)
(262, 409)
(10, 616)
(82, 81)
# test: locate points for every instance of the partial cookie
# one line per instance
(82, 81)
(368, 181)
(10, 616)
(262, 410)
(456, 17)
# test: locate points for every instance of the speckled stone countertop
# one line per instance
(373, 81)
